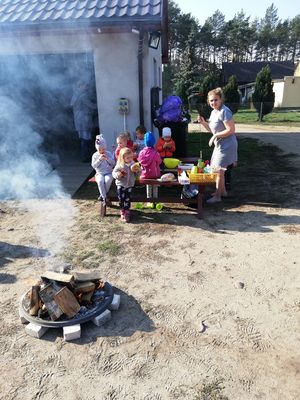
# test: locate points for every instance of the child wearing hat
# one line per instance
(165, 144)
(103, 163)
(150, 161)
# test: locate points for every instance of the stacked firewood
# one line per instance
(61, 295)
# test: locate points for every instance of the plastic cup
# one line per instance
(139, 206)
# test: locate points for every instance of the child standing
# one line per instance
(139, 143)
(125, 173)
(150, 161)
(166, 145)
(103, 163)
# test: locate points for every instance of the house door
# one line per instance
(42, 86)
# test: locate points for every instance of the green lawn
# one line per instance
(285, 118)
(275, 118)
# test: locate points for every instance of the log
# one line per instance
(67, 302)
(34, 300)
(56, 276)
(86, 297)
(47, 296)
(82, 276)
(84, 287)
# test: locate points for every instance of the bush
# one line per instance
(263, 96)
(231, 94)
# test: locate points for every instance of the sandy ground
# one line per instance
(186, 329)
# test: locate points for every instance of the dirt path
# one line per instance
(187, 328)
(286, 138)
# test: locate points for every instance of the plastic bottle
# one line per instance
(200, 160)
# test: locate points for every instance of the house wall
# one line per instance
(278, 89)
(297, 70)
(116, 71)
(152, 78)
(291, 95)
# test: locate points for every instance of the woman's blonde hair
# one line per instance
(215, 92)
(125, 151)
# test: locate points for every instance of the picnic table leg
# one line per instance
(201, 190)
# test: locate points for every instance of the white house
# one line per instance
(111, 36)
(287, 91)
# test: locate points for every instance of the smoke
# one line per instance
(28, 123)
(53, 220)
(24, 170)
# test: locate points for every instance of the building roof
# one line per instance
(246, 72)
(40, 13)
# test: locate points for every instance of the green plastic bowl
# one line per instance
(171, 163)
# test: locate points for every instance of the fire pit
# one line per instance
(61, 300)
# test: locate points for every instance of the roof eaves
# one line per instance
(58, 24)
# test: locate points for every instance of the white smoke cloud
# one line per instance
(25, 175)
(24, 170)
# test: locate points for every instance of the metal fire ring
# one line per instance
(89, 315)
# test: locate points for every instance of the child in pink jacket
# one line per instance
(150, 161)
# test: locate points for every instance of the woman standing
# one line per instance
(221, 125)
(83, 109)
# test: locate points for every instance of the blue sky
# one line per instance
(202, 9)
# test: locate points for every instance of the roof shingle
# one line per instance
(40, 11)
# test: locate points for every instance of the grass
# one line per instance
(212, 391)
(284, 118)
(260, 167)
(110, 247)
(275, 118)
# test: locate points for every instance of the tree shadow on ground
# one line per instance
(7, 278)
(11, 251)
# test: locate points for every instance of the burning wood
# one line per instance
(62, 295)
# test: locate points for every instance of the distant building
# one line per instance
(287, 90)
(285, 77)
(246, 72)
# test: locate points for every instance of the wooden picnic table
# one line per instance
(173, 199)
(198, 200)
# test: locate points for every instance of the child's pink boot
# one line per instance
(122, 213)
(127, 215)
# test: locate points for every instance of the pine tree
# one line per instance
(187, 77)
(263, 96)
(231, 94)
(198, 101)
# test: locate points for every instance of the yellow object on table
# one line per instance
(200, 177)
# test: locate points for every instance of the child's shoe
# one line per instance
(102, 209)
(127, 215)
(122, 213)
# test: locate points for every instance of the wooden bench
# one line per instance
(198, 200)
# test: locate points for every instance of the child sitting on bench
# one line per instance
(166, 145)
(150, 161)
(103, 163)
